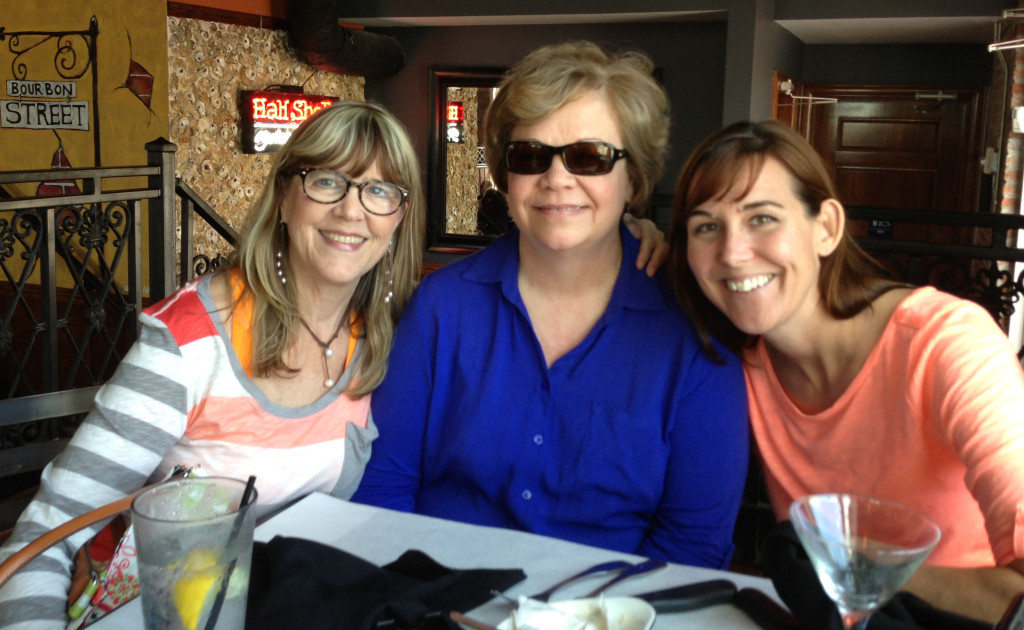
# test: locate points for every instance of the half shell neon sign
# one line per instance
(268, 118)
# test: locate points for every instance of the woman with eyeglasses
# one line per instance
(262, 369)
(857, 383)
(545, 383)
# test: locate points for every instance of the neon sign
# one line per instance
(455, 116)
(456, 113)
(268, 118)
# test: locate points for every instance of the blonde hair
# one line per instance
(355, 135)
(551, 76)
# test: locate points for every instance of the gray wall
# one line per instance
(716, 70)
(691, 57)
(949, 64)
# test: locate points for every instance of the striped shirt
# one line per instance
(181, 396)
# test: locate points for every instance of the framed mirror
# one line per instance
(465, 212)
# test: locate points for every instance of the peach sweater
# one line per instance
(934, 419)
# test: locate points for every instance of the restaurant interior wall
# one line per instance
(210, 63)
(130, 107)
(690, 58)
(963, 64)
(130, 100)
(196, 69)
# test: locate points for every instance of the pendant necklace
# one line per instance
(326, 345)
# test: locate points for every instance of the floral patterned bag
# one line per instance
(106, 574)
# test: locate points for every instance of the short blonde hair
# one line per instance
(551, 76)
(355, 135)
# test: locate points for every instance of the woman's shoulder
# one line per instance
(930, 320)
(189, 313)
(927, 305)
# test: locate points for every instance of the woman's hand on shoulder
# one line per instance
(653, 247)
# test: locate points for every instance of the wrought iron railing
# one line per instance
(73, 270)
(971, 255)
(192, 206)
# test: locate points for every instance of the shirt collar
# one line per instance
(499, 264)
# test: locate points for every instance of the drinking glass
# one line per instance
(862, 548)
(194, 543)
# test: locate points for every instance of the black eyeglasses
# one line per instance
(326, 186)
(580, 158)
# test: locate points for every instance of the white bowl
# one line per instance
(623, 613)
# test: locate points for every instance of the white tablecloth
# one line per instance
(380, 536)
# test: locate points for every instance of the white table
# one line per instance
(380, 536)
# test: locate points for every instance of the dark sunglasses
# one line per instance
(580, 158)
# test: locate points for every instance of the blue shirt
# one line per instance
(633, 441)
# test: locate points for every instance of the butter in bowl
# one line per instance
(595, 613)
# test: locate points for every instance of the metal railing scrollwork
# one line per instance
(73, 265)
(982, 271)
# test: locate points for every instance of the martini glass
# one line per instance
(863, 549)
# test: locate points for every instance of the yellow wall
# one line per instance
(126, 124)
(198, 67)
(128, 32)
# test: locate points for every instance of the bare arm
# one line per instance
(982, 593)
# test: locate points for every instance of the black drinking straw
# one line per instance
(211, 621)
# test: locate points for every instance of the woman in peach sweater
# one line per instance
(856, 383)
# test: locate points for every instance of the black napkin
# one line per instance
(795, 580)
(301, 583)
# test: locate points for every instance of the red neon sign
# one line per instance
(268, 118)
(286, 109)
(455, 112)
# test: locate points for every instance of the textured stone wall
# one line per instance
(210, 63)
(462, 184)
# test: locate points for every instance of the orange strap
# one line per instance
(29, 552)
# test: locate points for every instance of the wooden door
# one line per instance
(904, 147)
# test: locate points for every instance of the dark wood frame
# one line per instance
(438, 239)
(224, 16)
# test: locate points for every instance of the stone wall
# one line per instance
(209, 64)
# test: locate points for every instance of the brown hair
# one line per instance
(849, 280)
(551, 76)
(355, 135)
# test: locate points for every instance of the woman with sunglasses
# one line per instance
(545, 383)
(856, 383)
(263, 369)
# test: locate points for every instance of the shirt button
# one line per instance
(527, 495)
(538, 439)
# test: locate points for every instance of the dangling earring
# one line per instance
(280, 268)
(280, 257)
(387, 274)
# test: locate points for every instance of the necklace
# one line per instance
(326, 345)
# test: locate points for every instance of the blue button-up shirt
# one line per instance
(634, 440)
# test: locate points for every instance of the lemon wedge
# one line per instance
(201, 577)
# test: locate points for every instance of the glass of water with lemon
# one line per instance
(194, 541)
